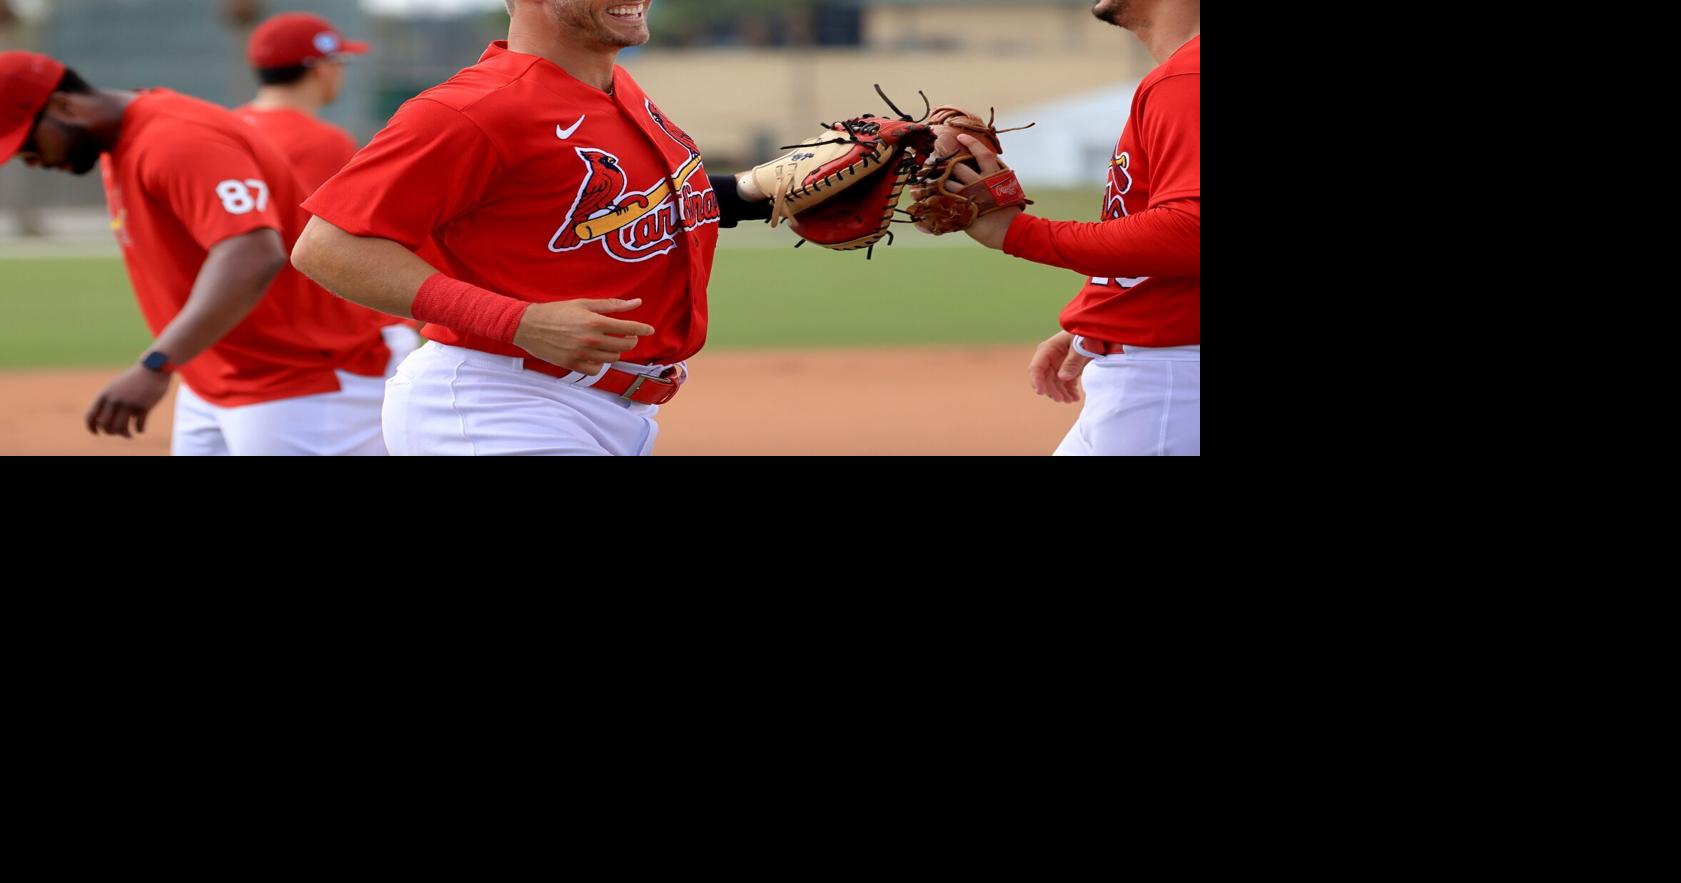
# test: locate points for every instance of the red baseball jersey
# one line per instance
(537, 186)
(1145, 266)
(316, 150)
(186, 175)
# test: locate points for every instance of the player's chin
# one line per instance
(83, 158)
(628, 33)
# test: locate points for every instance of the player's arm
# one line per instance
(236, 273)
(215, 189)
(384, 275)
(1163, 240)
(376, 273)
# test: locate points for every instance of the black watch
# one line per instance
(159, 362)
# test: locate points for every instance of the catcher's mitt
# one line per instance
(841, 188)
(936, 209)
(861, 217)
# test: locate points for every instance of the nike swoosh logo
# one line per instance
(564, 134)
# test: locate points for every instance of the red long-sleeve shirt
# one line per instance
(1144, 259)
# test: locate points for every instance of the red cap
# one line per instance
(292, 38)
(27, 80)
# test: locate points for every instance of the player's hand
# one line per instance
(580, 335)
(991, 229)
(1055, 369)
(127, 399)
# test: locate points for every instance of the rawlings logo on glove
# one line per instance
(941, 205)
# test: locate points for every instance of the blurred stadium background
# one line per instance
(742, 76)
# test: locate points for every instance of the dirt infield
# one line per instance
(964, 401)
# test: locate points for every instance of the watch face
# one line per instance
(155, 361)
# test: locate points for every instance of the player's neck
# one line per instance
(112, 107)
(591, 64)
(1168, 30)
(305, 101)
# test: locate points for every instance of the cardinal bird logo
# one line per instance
(635, 225)
(602, 193)
(1120, 184)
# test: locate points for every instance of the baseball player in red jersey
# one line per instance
(204, 209)
(576, 227)
(299, 60)
(1134, 333)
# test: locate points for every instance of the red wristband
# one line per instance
(466, 308)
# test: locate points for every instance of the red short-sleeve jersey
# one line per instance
(186, 175)
(532, 184)
(316, 149)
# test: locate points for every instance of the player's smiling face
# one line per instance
(617, 23)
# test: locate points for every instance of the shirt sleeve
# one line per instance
(429, 165)
(212, 184)
(1165, 240)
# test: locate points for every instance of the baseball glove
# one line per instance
(840, 189)
(937, 209)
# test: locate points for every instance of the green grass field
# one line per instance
(67, 312)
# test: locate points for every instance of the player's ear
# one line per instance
(68, 107)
